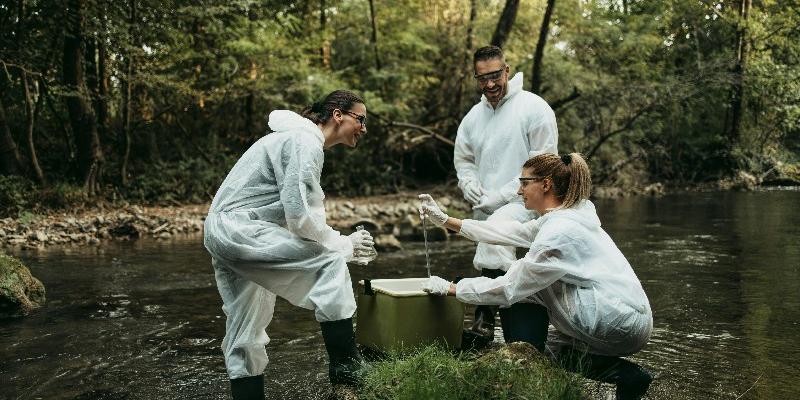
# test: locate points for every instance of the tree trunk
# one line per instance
(740, 69)
(544, 31)
(127, 87)
(374, 38)
(10, 163)
(29, 123)
(473, 10)
(505, 23)
(325, 50)
(81, 114)
(102, 88)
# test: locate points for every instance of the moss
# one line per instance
(20, 292)
(516, 371)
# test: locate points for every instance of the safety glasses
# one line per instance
(362, 119)
(524, 181)
(490, 76)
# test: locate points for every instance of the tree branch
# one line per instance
(422, 129)
(628, 125)
(566, 100)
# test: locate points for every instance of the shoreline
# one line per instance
(389, 216)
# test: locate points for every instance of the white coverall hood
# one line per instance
(583, 213)
(514, 87)
(285, 120)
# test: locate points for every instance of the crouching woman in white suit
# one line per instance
(267, 235)
(573, 269)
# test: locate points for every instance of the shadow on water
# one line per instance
(142, 320)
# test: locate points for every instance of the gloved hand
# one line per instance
(429, 209)
(436, 285)
(362, 242)
(473, 192)
(490, 202)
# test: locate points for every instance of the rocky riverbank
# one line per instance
(387, 217)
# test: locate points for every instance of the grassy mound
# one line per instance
(515, 371)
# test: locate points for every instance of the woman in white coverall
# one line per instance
(573, 268)
(267, 235)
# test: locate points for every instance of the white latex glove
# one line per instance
(429, 209)
(362, 242)
(473, 192)
(436, 285)
(490, 202)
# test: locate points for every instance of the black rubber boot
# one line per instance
(525, 322)
(345, 360)
(484, 315)
(484, 321)
(632, 380)
(248, 388)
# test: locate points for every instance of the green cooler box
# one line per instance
(395, 314)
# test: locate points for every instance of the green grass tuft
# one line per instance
(514, 372)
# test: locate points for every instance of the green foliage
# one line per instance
(20, 198)
(655, 81)
(433, 373)
(15, 195)
(166, 182)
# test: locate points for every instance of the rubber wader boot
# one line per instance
(248, 388)
(345, 360)
(484, 321)
(632, 379)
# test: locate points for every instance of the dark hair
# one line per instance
(572, 181)
(321, 111)
(488, 53)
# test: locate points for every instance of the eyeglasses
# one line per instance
(524, 181)
(490, 76)
(362, 119)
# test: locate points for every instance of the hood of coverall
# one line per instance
(514, 87)
(285, 120)
(583, 213)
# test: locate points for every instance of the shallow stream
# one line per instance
(142, 320)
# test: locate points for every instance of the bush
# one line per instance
(16, 195)
(517, 371)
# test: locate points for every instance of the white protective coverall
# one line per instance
(491, 146)
(594, 299)
(267, 235)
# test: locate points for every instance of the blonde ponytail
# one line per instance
(572, 181)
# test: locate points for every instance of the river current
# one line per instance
(142, 320)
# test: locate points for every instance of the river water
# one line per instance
(142, 320)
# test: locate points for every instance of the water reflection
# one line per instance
(142, 320)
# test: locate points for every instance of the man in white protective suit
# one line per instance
(507, 127)
(267, 234)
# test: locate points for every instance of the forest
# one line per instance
(151, 102)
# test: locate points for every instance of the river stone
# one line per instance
(435, 233)
(407, 226)
(127, 229)
(20, 292)
(387, 243)
(370, 225)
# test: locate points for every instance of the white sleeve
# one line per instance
(540, 268)
(500, 232)
(543, 131)
(302, 198)
(464, 158)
